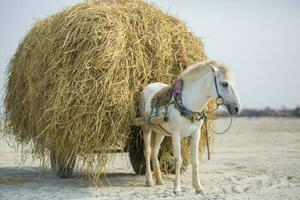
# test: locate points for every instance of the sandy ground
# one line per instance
(256, 159)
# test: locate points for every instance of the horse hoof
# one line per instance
(149, 183)
(177, 193)
(159, 182)
(200, 191)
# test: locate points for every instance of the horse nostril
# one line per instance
(236, 109)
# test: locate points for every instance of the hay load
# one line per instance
(74, 81)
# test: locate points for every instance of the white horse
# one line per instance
(202, 82)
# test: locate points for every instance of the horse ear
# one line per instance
(210, 61)
(222, 68)
(212, 65)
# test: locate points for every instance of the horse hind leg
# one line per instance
(156, 142)
(147, 154)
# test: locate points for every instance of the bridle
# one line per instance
(219, 99)
(219, 102)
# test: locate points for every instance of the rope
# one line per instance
(222, 132)
(160, 126)
(211, 111)
(206, 133)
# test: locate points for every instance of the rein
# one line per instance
(219, 101)
(206, 130)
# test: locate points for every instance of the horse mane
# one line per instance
(200, 68)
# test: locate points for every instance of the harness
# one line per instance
(184, 111)
(163, 99)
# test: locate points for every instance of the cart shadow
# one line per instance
(16, 176)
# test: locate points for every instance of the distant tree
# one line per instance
(296, 111)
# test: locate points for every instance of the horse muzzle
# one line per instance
(234, 109)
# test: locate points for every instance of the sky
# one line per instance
(258, 39)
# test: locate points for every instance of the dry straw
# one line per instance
(74, 80)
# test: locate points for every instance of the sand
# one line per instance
(256, 159)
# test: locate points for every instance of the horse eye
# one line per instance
(225, 84)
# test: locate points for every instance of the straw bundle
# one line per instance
(74, 81)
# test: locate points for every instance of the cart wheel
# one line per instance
(61, 167)
(136, 151)
(137, 159)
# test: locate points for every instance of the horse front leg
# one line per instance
(147, 154)
(195, 162)
(178, 162)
